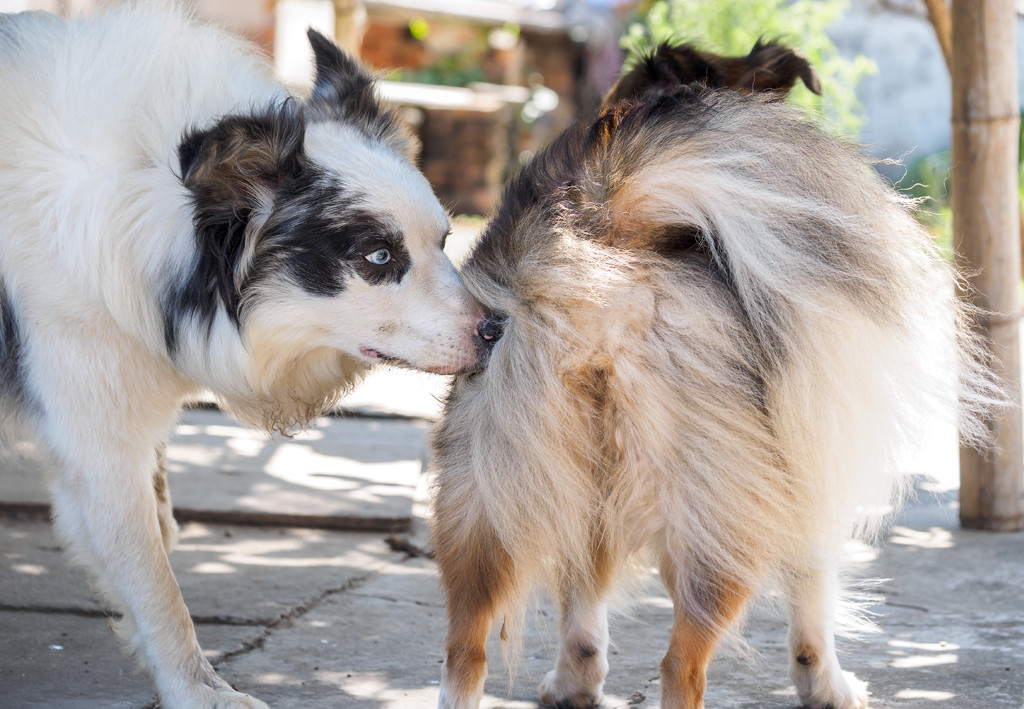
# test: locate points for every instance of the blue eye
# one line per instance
(379, 257)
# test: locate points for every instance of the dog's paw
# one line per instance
(557, 693)
(210, 698)
(840, 691)
(237, 700)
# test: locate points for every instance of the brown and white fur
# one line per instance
(724, 337)
(173, 221)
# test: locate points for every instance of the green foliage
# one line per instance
(927, 180)
(731, 27)
(462, 67)
(451, 70)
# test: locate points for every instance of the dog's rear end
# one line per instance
(723, 335)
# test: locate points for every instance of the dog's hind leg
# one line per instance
(705, 605)
(478, 579)
(164, 508)
(814, 667)
(582, 665)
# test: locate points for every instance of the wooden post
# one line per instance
(938, 14)
(349, 25)
(986, 234)
(942, 23)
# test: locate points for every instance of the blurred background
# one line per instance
(485, 83)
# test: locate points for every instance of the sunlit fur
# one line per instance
(725, 339)
(173, 221)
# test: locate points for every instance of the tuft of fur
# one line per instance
(725, 337)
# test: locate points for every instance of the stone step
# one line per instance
(346, 472)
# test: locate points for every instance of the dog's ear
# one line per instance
(770, 68)
(233, 171)
(344, 91)
(341, 87)
(243, 158)
(662, 72)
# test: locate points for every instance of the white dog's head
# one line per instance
(317, 235)
(320, 243)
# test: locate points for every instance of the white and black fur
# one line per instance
(172, 220)
(725, 340)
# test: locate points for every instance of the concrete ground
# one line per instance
(309, 615)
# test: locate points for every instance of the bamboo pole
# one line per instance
(938, 13)
(986, 125)
(942, 23)
(349, 25)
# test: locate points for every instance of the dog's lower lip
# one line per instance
(371, 353)
(445, 370)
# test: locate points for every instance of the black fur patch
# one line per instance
(320, 251)
(229, 168)
(317, 234)
(11, 374)
(549, 187)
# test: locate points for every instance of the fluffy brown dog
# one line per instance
(724, 336)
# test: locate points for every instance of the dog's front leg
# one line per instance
(164, 508)
(102, 428)
(106, 513)
(478, 579)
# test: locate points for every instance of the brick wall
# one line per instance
(469, 155)
(465, 155)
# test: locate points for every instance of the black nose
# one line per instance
(489, 330)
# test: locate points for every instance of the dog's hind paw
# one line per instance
(237, 700)
(554, 693)
(842, 691)
(210, 698)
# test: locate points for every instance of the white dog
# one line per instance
(172, 220)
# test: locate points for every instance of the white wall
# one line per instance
(908, 102)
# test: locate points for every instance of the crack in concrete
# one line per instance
(60, 610)
(389, 599)
(110, 614)
(231, 621)
(292, 614)
(906, 605)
